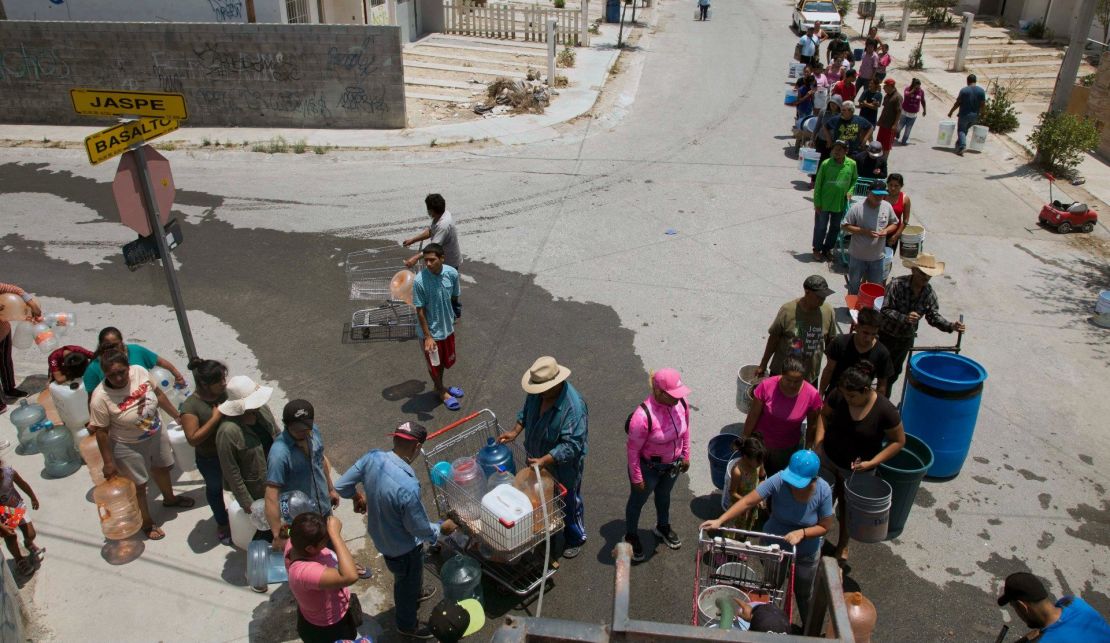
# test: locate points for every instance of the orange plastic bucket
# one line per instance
(868, 293)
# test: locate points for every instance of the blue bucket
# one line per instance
(943, 393)
(720, 452)
(791, 97)
(857, 54)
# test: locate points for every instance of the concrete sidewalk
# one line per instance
(587, 78)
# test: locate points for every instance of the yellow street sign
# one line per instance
(119, 138)
(101, 102)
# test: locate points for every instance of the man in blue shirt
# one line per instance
(555, 423)
(396, 520)
(969, 101)
(1068, 620)
(435, 294)
(290, 468)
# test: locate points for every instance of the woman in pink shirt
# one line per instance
(319, 580)
(658, 450)
(779, 406)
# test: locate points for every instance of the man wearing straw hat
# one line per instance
(555, 422)
(908, 299)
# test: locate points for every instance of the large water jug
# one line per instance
(45, 338)
(165, 381)
(24, 417)
(23, 334)
(494, 456)
(61, 322)
(264, 565)
(72, 403)
(90, 453)
(117, 504)
(462, 578)
(509, 505)
(242, 529)
(500, 477)
(56, 444)
(291, 505)
(184, 455)
(468, 476)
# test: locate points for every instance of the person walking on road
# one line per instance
(658, 451)
(849, 350)
(913, 102)
(441, 230)
(320, 579)
(200, 419)
(869, 222)
(396, 520)
(803, 328)
(435, 294)
(889, 117)
(1064, 621)
(832, 187)
(703, 9)
(969, 101)
(909, 299)
(555, 423)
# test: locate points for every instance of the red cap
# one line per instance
(888, 81)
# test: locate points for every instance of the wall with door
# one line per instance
(343, 12)
(145, 11)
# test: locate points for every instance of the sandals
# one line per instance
(452, 404)
(25, 566)
(180, 502)
(456, 392)
(365, 573)
(37, 553)
(154, 533)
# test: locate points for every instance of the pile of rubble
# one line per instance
(528, 96)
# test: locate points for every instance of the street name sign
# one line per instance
(119, 138)
(103, 102)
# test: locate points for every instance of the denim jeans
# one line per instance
(209, 467)
(905, 126)
(826, 226)
(963, 124)
(408, 579)
(657, 480)
(859, 269)
(704, 8)
(805, 572)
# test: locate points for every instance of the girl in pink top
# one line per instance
(779, 406)
(319, 580)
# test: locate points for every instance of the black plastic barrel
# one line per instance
(904, 473)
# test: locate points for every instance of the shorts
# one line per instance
(446, 349)
(134, 459)
(886, 138)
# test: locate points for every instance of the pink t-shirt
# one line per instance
(321, 607)
(781, 420)
(669, 438)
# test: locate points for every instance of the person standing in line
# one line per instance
(703, 9)
(885, 61)
(555, 423)
(803, 327)
(909, 299)
(807, 47)
(868, 65)
(200, 419)
(913, 101)
(56, 361)
(845, 88)
(396, 520)
(832, 187)
(780, 404)
(1068, 620)
(871, 163)
(900, 202)
(320, 579)
(969, 101)
(442, 230)
(820, 142)
(109, 339)
(837, 46)
(435, 295)
(658, 451)
(889, 117)
(861, 344)
(869, 222)
(869, 100)
(7, 368)
(849, 127)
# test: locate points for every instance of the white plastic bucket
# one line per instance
(821, 98)
(746, 379)
(796, 70)
(913, 238)
(946, 134)
(707, 600)
(808, 159)
(1103, 304)
(869, 500)
(978, 140)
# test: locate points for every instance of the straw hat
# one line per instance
(926, 263)
(244, 395)
(544, 374)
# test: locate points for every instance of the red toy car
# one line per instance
(1065, 217)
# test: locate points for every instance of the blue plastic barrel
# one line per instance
(941, 406)
(612, 11)
(720, 452)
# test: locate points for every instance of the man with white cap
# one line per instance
(396, 520)
(243, 439)
(907, 300)
(555, 422)
(658, 450)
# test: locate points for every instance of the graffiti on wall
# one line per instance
(360, 60)
(32, 64)
(227, 10)
(357, 99)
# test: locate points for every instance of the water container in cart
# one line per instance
(494, 456)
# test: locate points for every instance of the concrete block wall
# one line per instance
(232, 75)
(144, 11)
(1098, 105)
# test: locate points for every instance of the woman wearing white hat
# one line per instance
(243, 439)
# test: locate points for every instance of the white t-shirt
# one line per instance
(130, 414)
(445, 234)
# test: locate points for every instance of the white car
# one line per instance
(812, 11)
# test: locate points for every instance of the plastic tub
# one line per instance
(868, 293)
(868, 499)
(1103, 303)
(978, 140)
(904, 473)
(911, 242)
(946, 134)
(943, 394)
(808, 159)
(707, 600)
(720, 452)
(746, 379)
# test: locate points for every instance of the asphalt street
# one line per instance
(668, 238)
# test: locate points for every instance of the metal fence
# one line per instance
(509, 21)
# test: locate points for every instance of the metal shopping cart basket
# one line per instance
(859, 193)
(511, 553)
(371, 276)
(731, 560)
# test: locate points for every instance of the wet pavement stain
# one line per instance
(994, 521)
(1045, 540)
(942, 516)
(1094, 524)
(981, 460)
(1045, 499)
(985, 535)
(983, 480)
(924, 498)
(1029, 475)
(1086, 459)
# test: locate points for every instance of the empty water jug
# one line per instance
(23, 334)
(90, 453)
(264, 565)
(45, 338)
(242, 529)
(56, 444)
(184, 455)
(462, 578)
(24, 417)
(116, 502)
(495, 455)
(293, 504)
(72, 403)
(500, 477)
(468, 476)
(61, 322)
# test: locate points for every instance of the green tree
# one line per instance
(1061, 139)
(935, 11)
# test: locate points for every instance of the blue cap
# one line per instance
(803, 468)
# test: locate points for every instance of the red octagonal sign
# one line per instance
(129, 194)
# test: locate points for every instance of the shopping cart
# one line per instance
(859, 193)
(370, 272)
(373, 275)
(757, 564)
(510, 553)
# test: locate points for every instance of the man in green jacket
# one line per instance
(836, 178)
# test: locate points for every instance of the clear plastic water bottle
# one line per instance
(56, 444)
(433, 357)
(500, 477)
(45, 338)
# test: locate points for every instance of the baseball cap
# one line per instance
(670, 382)
(1022, 586)
(410, 431)
(836, 99)
(768, 618)
(448, 621)
(298, 412)
(889, 81)
(803, 468)
(817, 284)
(875, 149)
(477, 615)
(878, 188)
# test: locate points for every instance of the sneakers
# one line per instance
(223, 534)
(421, 632)
(959, 151)
(571, 552)
(637, 547)
(668, 536)
(426, 593)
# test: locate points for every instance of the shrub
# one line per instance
(1088, 80)
(560, 4)
(1061, 139)
(566, 58)
(916, 59)
(843, 7)
(998, 112)
(300, 146)
(1038, 30)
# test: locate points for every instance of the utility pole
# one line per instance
(904, 30)
(1069, 68)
